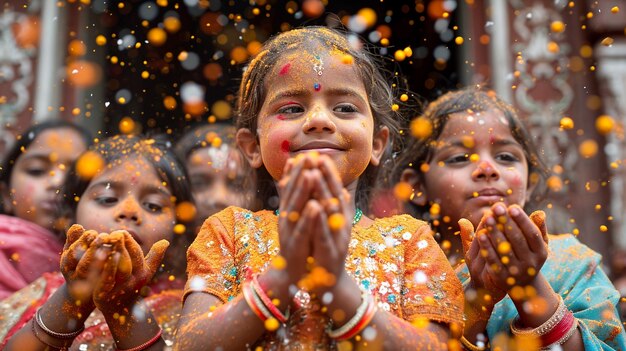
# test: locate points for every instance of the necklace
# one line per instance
(357, 215)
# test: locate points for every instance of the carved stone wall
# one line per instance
(19, 44)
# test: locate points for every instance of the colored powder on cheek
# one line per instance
(281, 117)
(285, 69)
(284, 146)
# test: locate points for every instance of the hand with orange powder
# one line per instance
(320, 233)
(126, 272)
(294, 232)
(509, 250)
(104, 271)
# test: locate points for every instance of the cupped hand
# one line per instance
(82, 261)
(126, 271)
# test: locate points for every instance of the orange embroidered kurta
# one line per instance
(396, 259)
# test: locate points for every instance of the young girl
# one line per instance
(315, 114)
(479, 168)
(218, 173)
(131, 202)
(30, 177)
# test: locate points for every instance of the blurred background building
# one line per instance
(161, 65)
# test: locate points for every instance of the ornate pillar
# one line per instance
(608, 23)
(19, 46)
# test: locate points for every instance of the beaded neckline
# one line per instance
(357, 215)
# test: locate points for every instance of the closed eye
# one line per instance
(36, 172)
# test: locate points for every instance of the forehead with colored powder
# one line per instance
(310, 63)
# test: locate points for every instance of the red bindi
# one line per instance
(285, 69)
(284, 146)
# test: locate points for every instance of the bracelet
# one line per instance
(54, 334)
(146, 344)
(358, 316)
(546, 327)
(34, 330)
(468, 345)
(367, 318)
(559, 330)
(569, 334)
(251, 300)
(275, 312)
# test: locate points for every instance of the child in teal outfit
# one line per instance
(479, 168)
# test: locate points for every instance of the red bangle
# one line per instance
(146, 344)
(248, 295)
(267, 302)
(559, 330)
(365, 320)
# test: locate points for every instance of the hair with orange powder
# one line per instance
(313, 40)
(419, 151)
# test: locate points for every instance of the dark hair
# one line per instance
(196, 138)
(420, 150)
(27, 137)
(253, 91)
(113, 150)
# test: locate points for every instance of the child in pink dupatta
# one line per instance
(30, 177)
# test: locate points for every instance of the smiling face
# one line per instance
(476, 163)
(129, 196)
(39, 173)
(308, 111)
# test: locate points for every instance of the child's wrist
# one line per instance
(79, 306)
(276, 284)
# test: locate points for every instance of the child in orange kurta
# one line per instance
(315, 117)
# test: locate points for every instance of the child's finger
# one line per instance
(93, 259)
(331, 175)
(71, 256)
(73, 234)
(124, 266)
(296, 200)
(291, 195)
(531, 233)
(539, 218)
(288, 180)
(467, 234)
(492, 229)
(107, 278)
(488, 252)
(155, 256)
(473, 251)
(136, 255)
(516, 238)
(330, 203)
(322, 239)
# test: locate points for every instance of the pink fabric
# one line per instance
(26, 252)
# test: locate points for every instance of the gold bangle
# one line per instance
(468, 345)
